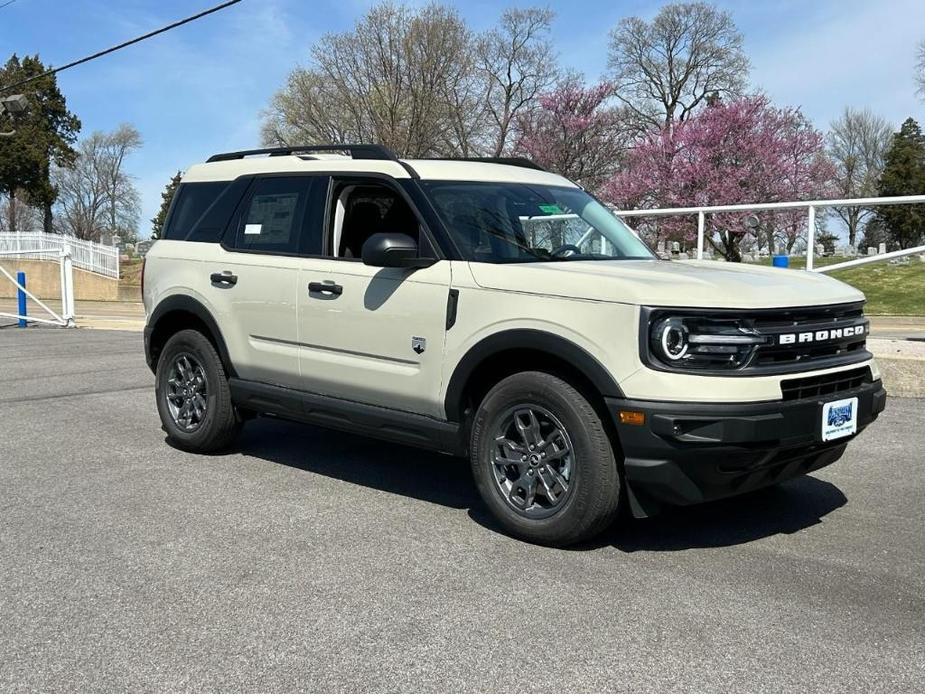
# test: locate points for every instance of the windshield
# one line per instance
(522, 222)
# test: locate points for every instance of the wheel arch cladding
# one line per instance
(510, 351)
(178, 313)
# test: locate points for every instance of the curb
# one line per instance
(902, 366)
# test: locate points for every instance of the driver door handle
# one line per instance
(325, 288)
(225, 278)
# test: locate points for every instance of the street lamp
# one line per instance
(14, 105)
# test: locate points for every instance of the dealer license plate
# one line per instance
(839, 419)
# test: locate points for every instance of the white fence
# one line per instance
(66, 317)
(86, 255)
(810, 206)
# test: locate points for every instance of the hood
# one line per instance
(698, 283)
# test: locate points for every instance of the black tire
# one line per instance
(220, 424)
(593, 498)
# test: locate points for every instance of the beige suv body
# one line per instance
(389, 298)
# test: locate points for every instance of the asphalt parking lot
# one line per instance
(315, 561)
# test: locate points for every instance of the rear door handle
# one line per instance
(325, 288)
(226, 278)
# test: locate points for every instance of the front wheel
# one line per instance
(543, 462)
(193, 397)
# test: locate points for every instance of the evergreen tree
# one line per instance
(874, 234)
(44, 135)
(904, 174)
(166, 198)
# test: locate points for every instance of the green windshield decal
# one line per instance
(551, 209)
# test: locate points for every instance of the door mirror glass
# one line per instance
(393, 250)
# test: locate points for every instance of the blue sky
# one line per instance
(200, 89)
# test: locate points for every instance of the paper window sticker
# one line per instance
(252, 228)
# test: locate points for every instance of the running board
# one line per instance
(345, 415)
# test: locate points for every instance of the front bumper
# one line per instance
(687, 453)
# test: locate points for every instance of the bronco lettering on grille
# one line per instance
(821, 335)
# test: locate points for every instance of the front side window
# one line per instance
(365, 208)
(521, 222)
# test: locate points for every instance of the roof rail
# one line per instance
(522, 162)
(355, 151)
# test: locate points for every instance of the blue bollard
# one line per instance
(781, 261)
(21, 295)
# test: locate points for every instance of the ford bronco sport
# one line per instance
(489, 308)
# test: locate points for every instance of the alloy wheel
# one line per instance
(187, 394)
(533, 461)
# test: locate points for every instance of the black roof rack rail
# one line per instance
(522, 162)
(355, 151)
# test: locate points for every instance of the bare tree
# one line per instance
(96, 195)
(418, 81)
(386, 81)
(123, 203)
(857, 144)
(666, 68)
(519, 64)
(17, 214)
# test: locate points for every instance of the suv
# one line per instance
(490, 309)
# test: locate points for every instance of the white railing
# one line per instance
(809, 205)
(86, 255)
(66, 318)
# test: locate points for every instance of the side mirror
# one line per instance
(393, 250)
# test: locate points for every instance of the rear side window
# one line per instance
(283, 214)
(201, 210)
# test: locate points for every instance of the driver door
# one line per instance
(367, 334)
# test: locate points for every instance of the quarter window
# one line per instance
(191, 217)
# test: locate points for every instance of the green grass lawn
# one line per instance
(897, 290)
(893, 290)
(799, 262)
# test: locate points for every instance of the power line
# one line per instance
(8, 2)
(120, 46)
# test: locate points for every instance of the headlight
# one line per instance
(696, 342)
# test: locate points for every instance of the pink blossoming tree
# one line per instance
(730, 153)
(575, 132)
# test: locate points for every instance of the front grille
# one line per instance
(825, 385)
(755, 342)
(797, 336)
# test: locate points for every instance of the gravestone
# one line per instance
(675, 247)
(142, 247)
(882, 249)
(871, 250)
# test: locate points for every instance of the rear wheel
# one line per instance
(193, 398)
(543, 462)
